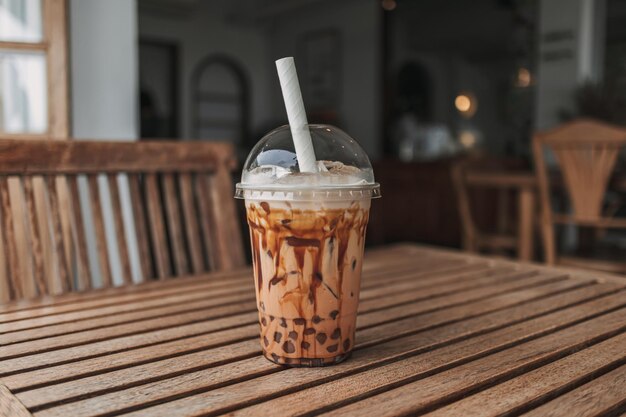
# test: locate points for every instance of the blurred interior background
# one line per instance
(420, 84)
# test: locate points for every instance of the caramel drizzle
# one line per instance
(306, 231)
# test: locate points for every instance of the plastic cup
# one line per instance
(308, 234)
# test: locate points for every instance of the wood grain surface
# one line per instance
(439, 333)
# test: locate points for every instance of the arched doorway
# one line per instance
(220, 97)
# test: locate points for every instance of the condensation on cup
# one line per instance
(307, 231)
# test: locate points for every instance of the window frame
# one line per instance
(54, 46)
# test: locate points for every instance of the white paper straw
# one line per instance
(296, 114)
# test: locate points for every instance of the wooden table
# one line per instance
(440, 332)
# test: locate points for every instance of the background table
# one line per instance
(525, 184)
(439, 332)
(526, 187)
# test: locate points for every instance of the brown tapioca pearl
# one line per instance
(321, 338)
(351, 294)
(333, 314)
(265, 207)
(346, 345)
(293, 335)
(332, 348)
(299, 322)
(263, 321)
(277, 337)
(316, 319)
(271, 318)
(289, 347)
(262, 305)
(353, 264)
(305, 345)
(309, 331)
(336, 334)
(283, 323)
(265, 341)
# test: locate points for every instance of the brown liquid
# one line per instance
(307, 267)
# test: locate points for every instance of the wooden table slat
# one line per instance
(456, 382)
(321, 396)
(601, 396)
(230, 397)
(409, 325)
(533, 387)
(438, 332)
(10, 405)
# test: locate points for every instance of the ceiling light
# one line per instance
(389, 5)
(467, 104)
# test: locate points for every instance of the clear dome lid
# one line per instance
(343, 165)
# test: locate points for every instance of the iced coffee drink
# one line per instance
(307, 232)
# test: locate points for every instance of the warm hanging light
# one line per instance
(466, 103)
(467, 139)
(462, 103)
(524, 78)
(389, 5)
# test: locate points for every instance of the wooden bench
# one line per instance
(170, 201)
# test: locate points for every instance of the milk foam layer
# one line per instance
(331, 173)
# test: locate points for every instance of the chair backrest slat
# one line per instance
(9, 241)
(219, 186)
(57, 233)
(175, 229)
(157, 226)
(586, 172)
(192, 230)
(168, 205)
(204, 204)
(95, 197)
(120, 229)
(141, 227)
(83, 272)
(35, 236)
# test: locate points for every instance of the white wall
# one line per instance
(103, 55)
(206, 31)
(103, 37)
(580, 54)
(358, 22)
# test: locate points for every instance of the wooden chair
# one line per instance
(496, 207)
(171, 201)
(586, 152)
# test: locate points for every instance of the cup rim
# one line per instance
(269, 192)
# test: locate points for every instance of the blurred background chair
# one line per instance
(170, 203)
(586, 153)
(496, 205)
